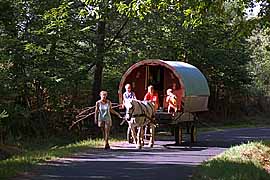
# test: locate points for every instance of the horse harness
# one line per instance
(143, 114)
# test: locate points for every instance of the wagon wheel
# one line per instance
(193, 134)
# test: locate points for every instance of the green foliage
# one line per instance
(222, 56)
(54, 53)
(260, 64)
(3, 115)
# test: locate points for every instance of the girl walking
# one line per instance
(103, 116)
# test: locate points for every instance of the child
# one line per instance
(151, 96)
(103, 116)
(172, 100)
(128, 95)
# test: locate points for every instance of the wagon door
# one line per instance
(137, 79)
(170, 81)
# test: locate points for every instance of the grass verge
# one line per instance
(244, 162)
(244, 122)
(34, 155)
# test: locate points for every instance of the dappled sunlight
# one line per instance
(165, 160)
(246, 161)
(228, 170)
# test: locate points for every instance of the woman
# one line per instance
(152, 96)
(103, 116)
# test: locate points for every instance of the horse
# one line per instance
(139, 114)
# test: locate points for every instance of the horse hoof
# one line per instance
(138, 147)
(151, 145)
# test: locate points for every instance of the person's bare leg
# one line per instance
(103, 132)
(106, 137)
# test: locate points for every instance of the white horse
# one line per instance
(140, 114)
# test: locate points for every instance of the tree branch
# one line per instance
(67, 53)
(117, 34)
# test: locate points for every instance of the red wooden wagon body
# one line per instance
(187, 82)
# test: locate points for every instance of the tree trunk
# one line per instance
(97, 84)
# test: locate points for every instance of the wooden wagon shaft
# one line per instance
(84, 111)
(82, 116)
(73, 123)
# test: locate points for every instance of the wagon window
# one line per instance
(155, 77)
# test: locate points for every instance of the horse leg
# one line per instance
(142, 136)
(133, 133)
(129, 135)
(139, 135)
(152, 135)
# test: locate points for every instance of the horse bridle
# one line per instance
(130, 114)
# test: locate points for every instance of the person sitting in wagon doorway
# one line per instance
(152, 96)
(103, 116)
(171, 100)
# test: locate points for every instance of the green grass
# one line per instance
(244, 122)
(35, 153)
(244, 162)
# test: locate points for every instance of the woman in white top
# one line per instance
(103, 116)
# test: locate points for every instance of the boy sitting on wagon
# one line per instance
(127, 96)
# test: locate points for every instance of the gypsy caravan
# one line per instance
(187, 82)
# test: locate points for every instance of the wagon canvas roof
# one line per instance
(191, 78)
(194, 81)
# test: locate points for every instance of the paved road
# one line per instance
(164, 161)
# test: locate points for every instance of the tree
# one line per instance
(52, 51)
(260, 64)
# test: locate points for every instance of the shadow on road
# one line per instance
(164, 161)
(114, 164)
